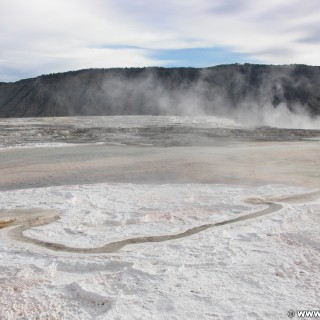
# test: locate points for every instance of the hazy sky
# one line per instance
(44, 36)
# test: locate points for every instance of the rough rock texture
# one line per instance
(164, 91)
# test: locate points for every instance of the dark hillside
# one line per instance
(173, 91)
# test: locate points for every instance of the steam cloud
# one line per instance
(149, 95)
(252, 95)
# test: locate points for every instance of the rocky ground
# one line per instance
(89, 182)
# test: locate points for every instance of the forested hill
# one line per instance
(221, 90)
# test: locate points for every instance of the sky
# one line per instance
(49, 36)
